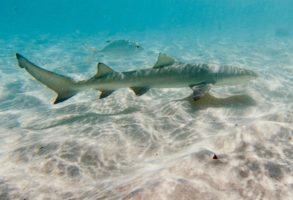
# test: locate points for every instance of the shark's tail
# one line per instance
(65, 87)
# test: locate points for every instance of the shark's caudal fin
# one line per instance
(64, 86)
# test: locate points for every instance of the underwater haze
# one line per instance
(233, 143)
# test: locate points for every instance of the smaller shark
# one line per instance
(166, 73)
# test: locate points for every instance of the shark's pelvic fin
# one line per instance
(140, 90)
(106, 93)
(65, 87)
(199, 90)
(164, 60)
(63, 97)
(103, 69)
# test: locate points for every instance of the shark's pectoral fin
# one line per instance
(164, 60)
(199, 90)
(106, 93)
(140, 90)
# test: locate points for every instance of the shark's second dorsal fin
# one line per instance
(164, 60)
(103, 70)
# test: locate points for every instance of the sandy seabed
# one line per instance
(235, 143)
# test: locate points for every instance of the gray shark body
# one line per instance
(165, 74)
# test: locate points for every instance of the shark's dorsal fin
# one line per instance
(164, 60)
(103, 70)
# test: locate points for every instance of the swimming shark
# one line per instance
(166, 73)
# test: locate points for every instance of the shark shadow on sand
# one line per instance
(210, 101)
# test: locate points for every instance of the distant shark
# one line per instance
(166, 73)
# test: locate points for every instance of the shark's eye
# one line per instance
(137, 46)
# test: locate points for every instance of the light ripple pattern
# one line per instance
(235, 143)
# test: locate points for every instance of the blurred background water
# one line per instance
(91, 17)
(235, 143)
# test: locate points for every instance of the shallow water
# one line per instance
(234, 143)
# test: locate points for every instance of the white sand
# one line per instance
(153, 146)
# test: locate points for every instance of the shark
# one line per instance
(166, 73)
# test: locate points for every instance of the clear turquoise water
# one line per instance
(160, 145)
